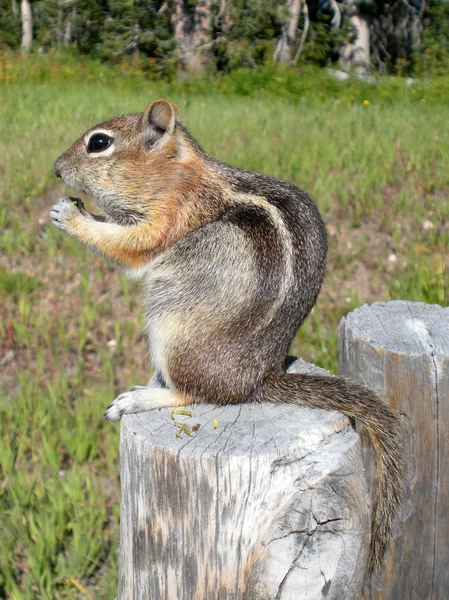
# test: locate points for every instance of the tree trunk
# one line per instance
(180, 24)
(305, 10)
(27, 25)
(284, 49)
(202, 36)
(60, 32)
(193, 41)
(268, 502)
(357, 53)
(68, 27)
(402, 348)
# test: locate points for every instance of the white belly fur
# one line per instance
(158, 333)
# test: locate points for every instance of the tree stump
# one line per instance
(402, 349)
(271, 504)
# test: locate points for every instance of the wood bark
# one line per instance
(201, 36)
(68, 27)
(305, 10)
(336, 17)
(402, 349)
(193, 39)
(270, 505)
(27, 25)
(289, 31)
(357, 53)
(180, 23)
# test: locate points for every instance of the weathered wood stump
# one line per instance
(272, 504)
(402, 348)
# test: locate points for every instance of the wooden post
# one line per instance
(271, 504)
(402, 348)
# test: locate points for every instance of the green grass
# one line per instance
(375, 159)
(17, 284)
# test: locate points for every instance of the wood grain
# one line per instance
(402, 349)
(270, 505)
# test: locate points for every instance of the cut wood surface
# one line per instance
(402, 349)
(271, 504)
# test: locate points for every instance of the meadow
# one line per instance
(373, 156)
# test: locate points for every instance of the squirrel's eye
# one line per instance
(99, 142)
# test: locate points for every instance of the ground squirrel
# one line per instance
(231, 263)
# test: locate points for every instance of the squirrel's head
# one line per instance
(127, 163)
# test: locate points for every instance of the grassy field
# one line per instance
(375, 159)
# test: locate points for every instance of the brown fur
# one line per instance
(231, 263)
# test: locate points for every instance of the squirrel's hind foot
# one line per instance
(140, 399)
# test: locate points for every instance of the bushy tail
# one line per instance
(383, 425)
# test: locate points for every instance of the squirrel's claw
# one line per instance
(62, 213)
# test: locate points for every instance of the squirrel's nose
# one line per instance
(56, 167)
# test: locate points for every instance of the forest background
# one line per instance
(349, 101)
(222, 35)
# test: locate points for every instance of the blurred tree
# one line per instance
(194, 35)
(433, 52)
(193, 30)
(356, 51)
(121, 30)
(247, 32)
(10, 24)
(48, 16)
(395, 28)
(27, 25)
(289, 32)
(330, 29)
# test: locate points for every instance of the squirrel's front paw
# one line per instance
(63, 214)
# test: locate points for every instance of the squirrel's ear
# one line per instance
(159, 118)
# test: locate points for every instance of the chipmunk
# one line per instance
(231, 263)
